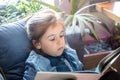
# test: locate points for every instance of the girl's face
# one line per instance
(53, 40)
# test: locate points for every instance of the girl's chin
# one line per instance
(58, 54)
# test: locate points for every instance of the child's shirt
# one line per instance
(67, 62)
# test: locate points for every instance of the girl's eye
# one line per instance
(51, 38)
(62, 35)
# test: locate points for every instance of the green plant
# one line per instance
(13, 12)
(9, 13)
(77, 18)
(29, 7)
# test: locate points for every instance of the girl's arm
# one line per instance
(29, 73)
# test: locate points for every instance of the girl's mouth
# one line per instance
(61, 48)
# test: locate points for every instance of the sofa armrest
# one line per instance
(91, 61)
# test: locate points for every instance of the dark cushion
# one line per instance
(111, 75)
(14, 49)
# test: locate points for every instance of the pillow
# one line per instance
(14, 49)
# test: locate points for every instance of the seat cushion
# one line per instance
(14, 49)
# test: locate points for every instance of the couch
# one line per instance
(14, 49)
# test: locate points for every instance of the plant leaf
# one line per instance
(85, 7)
(68, 20)
(96, 21)
(81, 25)
(89, 26)
(74, 6)
(74, 21)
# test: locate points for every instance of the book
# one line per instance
(107, 61)
(101, 68)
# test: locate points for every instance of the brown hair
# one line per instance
(39, 23)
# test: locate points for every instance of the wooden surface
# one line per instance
(91, 61)
(110, 9)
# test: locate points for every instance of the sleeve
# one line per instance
(29, 73)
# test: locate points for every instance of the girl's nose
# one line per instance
(59, 41)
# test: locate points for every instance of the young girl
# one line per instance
(47, 34)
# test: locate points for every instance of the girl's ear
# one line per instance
(36, 44)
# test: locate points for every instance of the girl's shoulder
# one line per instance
(34, 58)
(38, 62)
(69, 50)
